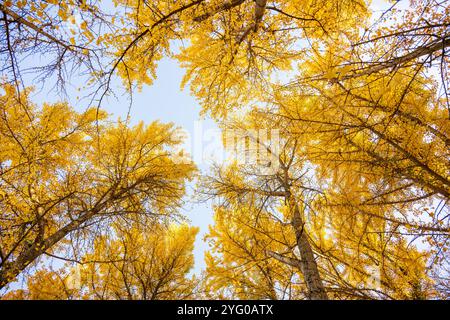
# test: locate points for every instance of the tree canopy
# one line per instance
(348, 201)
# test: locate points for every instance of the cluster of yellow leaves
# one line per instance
(67, 22)
(135, 263)
(232, 50)
(360, 238)
(61, 170)
(237, 263)
(146, 262)
(381, 125)
(44, 285)
(359, 254)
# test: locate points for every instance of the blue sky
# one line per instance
(166, 102)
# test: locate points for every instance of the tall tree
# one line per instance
(285, 213)
(65, 177)
(234, 45)
(136, 262)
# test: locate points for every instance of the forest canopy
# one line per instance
(348, 201)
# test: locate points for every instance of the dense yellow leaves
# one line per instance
(134, 263)
(335, 208)
(143, 263)
(360, 238)
(238, 265)
(64, 172)
(375, 124)
(45, 285)
(233, 48)
(232, 58)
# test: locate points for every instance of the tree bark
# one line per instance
(11, 270)
(316, 290)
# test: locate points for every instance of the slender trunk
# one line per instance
(308, 264)
(10, 270)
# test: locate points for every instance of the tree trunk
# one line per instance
(308, 263)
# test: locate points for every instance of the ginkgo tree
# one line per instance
(149, 262)
(284, 233)
(369, 112)
(234, 45)
(381, 110)
(65, 177)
